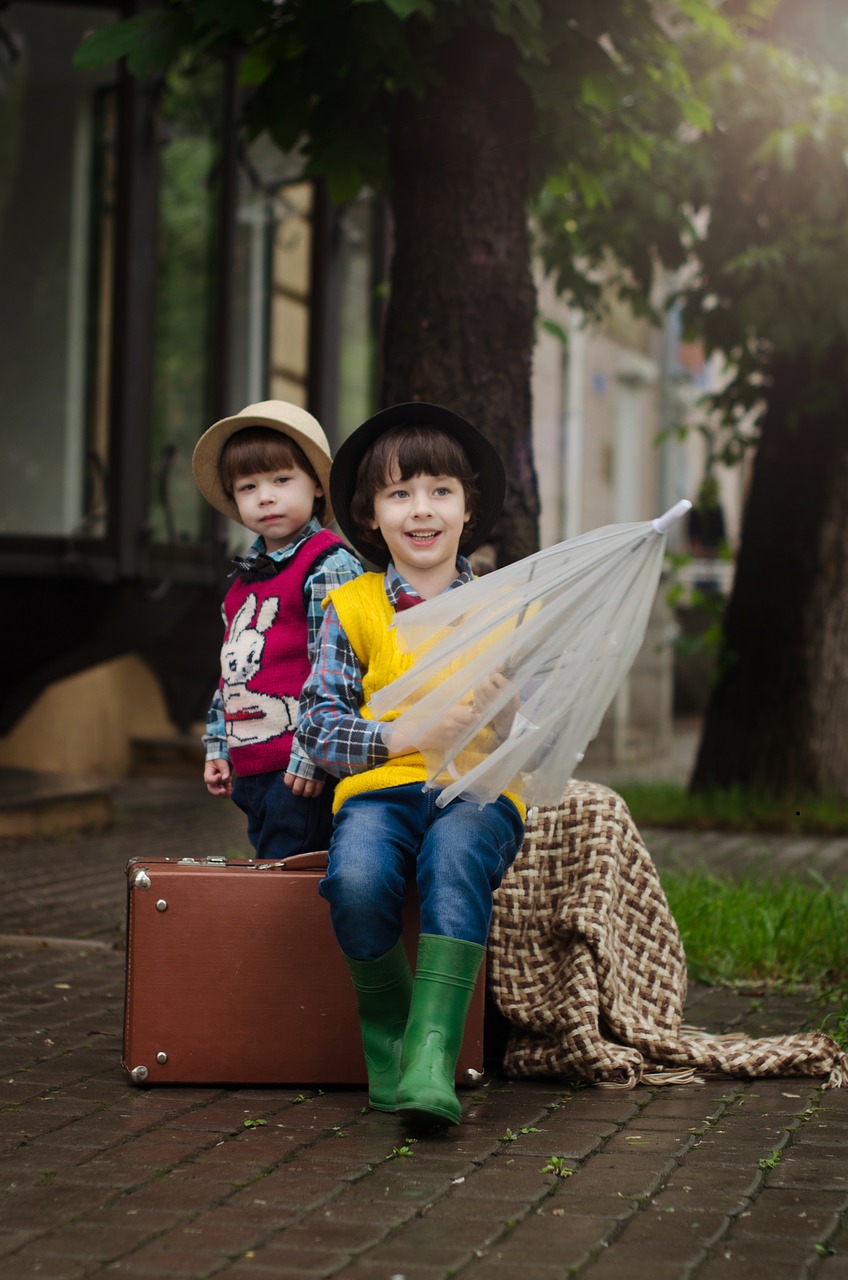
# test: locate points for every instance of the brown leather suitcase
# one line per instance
(234, 976)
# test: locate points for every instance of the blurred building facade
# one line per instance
(158, 274)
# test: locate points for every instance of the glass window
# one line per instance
(57, 186)
(190, 171)
(359, 260)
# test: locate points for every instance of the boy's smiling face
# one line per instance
(422, 520)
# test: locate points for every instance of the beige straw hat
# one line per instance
(290, 420)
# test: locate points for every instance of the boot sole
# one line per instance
(425, 1115)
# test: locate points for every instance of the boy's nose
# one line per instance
(421, 506)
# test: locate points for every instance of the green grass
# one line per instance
(667, 804)
(789, 931)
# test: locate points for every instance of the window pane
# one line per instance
(57, 151)
(188, 205)
(358, 250)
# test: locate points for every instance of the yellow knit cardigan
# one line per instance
(366, 617)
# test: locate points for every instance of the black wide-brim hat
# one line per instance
(483, 457)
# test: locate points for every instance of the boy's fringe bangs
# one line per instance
(258, 449)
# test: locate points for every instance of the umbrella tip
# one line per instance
(664, 522)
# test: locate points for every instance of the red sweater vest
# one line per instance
(264, 660)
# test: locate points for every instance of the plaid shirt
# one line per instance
(337, 567)
(330, 729)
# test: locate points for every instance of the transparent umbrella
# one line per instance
(537, 650)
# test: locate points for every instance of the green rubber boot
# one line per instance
(383, 994)
(445, 978)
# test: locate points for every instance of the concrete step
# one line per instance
(177, 756)
(36, 805)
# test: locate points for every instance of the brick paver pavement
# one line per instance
(724, 1179)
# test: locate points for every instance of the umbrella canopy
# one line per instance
(537, 650)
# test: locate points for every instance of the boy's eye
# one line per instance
(244, 486)
(399, 493)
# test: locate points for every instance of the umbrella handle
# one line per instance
(663, 523)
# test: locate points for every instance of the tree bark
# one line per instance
(460, 321)
(776, 718)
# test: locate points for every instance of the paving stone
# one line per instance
(832, 1269)
(724, 1188)
(545, 1240)
(11, 1240)
(93, 1240)
(22, 1266)
(170, 1262)
(636, 1174)
(793, 1213)
(683, 1234)
(819, 1167)
(618, 1262)
(432, 1242)
(736, 1264)
(284, 1260)
(366, 1269)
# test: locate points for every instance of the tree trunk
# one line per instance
(460, 322)
(776, 719)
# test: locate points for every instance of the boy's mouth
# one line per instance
(424, 537)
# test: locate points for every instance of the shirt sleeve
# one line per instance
(330, 730)
(338, 567)
(215, 737)
(302, 767)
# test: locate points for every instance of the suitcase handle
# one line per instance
(316, 861)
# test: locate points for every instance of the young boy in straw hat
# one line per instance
(268, 467)
(415, 489)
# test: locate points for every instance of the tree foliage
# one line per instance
(320, 74)
(750, 216)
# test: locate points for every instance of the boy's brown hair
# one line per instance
(402, 453)
(256, 449)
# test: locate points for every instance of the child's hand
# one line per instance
(485, 694)
(309, 788)
(439, 737)
(218, 776)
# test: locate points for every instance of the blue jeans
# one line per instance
(456, 855)
(279, 823)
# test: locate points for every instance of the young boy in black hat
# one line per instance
(268, 467)
(415, 489)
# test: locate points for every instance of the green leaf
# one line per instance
(554, 329)
(697, 113)
(150, 42)
(598, 90)
(707, 16)
(404, 9)
(257, 64)
(591, 189)
(639, 153)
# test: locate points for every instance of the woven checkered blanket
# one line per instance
(586, 963)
